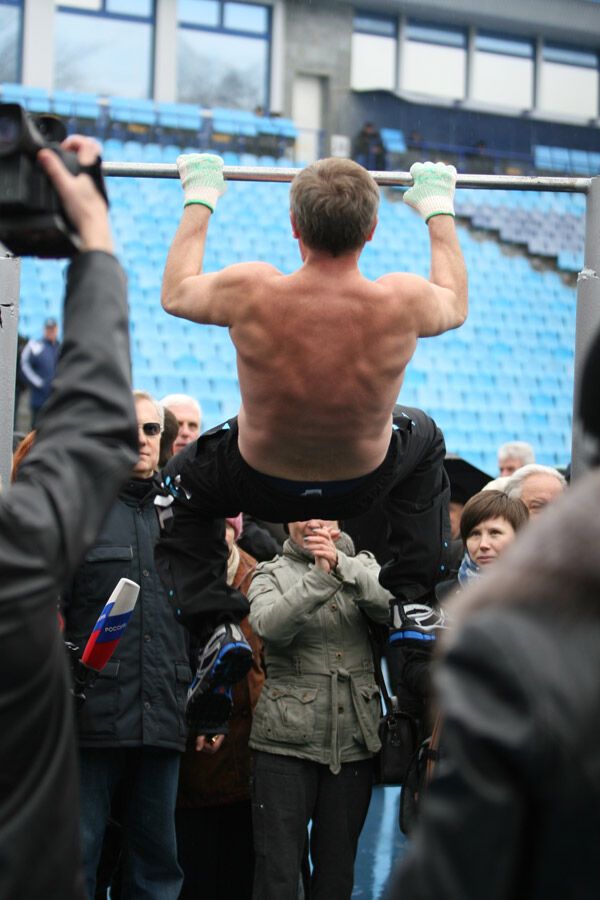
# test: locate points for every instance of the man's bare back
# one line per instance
(321, 353)
(321, 356)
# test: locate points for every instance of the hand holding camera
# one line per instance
(82, 202)
(52, 196)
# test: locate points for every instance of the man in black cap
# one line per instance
(38, 365)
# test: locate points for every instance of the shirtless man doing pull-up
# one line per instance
(321, 358)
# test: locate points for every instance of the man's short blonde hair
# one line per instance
(334, 205)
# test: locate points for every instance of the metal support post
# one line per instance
(9, 328)
(588, 317)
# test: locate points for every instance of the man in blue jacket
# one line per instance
(38, 366)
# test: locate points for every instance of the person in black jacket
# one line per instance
(85, 445)
(514, 808)
(132, 725)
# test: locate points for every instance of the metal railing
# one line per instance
(389, 179)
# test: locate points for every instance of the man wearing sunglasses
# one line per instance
(131, 727)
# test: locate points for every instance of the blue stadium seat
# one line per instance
(184, 116)
(170, 384)
(542, 157)
(234, 122)
(129, 110)
(594, 159)
(393, 140)
(188, 364)
(560, 158)
(76, 105)
(579, 162)
(13, 93)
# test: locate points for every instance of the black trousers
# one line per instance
(287, 794)
(216, 851)
(215, 482)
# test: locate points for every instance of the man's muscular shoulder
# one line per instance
(405, 294)
(251, 271)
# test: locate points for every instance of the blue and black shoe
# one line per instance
(415, 625)
(225, 660)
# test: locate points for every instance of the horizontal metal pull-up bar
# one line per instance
(401, 179)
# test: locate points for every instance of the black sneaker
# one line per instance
(225, 660)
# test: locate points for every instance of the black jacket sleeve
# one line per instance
(474, 818)
(85, 446)
(86, 441)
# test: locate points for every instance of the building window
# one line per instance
(11, 15)
(105, 47)
(374, 52)
(569, 81)
(430, 49)
(223, 53)
(503, 70)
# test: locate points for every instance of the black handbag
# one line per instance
(398, 730)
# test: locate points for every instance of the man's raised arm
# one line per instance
(441, 302)
(186, 292)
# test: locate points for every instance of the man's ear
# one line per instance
(372, 231)
(294, 226)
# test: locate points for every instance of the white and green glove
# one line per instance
(202, 179)
(433, 191)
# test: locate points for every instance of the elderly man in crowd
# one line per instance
(513, 455)
(188, 413)
(536, 486)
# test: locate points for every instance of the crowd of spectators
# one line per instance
(159, 811)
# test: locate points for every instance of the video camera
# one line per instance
(32, 219)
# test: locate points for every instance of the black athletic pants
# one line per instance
(215, 482)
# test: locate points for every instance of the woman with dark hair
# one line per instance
(488, 524)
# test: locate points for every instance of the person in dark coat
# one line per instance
(84, 447)
(514, 809)
(38, 366)
(132, 727)
(368, 148)
(214, 814)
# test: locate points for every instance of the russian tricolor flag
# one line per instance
(111, 624)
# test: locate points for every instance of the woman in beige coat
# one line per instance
(315, 727)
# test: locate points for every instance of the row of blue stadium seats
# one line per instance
(140, 111)
(467, 200)
(565, 159)
(116, 150)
